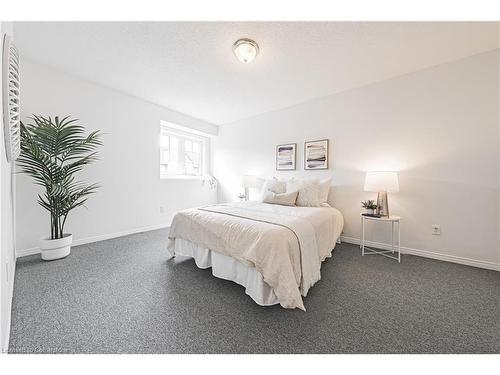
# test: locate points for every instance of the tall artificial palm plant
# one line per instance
(52, 151)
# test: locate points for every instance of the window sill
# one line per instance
(181, 177)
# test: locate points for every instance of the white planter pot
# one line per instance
(370, 211)
(56, 249)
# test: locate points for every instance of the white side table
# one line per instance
(390, 219)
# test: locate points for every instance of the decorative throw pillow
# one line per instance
(308, 192)
(276, 186)
(324, 189)
(284, 199)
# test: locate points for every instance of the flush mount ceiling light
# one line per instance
(245, 50)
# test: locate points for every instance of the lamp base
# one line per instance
(382, 204)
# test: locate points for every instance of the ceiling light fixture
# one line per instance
(245, 50)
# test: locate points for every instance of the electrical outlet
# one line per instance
(436, 229)
(162, 209)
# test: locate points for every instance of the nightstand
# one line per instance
(386, 219)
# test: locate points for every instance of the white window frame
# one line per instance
(174, 130)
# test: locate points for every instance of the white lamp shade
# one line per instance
(382, 181)
(251, 182)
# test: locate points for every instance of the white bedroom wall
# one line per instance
(437, 127)
(128, 169)
(498, 127)
(7, 244)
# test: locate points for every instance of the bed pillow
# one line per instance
(284, 199)
(275, 186)
(324, 189)
(308, 192)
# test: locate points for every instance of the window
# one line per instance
(181, 153)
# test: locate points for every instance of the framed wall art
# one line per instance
(285, 157)
(316, 154)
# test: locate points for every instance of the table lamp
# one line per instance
(250, 182)
(382, 183)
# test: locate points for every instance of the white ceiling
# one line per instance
(189, 66)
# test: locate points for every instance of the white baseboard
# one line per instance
(5, 344)
(102, 237)
(352, 240)
(428, 254)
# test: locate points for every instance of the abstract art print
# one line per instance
(285, 157)
(316, 154)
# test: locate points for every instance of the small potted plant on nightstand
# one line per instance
(370, 206)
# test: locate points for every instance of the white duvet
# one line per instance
(285, 244)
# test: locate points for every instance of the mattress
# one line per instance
(284, 246)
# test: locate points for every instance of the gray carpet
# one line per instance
(123, 296)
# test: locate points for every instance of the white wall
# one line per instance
(437, 127)
(498, 127)
(7, 257)
(132, 192)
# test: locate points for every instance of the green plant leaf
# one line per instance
(52, 152)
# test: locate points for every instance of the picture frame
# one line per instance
(316, 154)
(286, 156)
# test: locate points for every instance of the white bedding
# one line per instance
(227, 268)
(285, 244)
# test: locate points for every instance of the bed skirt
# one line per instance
(225, 267)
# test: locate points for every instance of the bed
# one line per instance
(274, 251)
